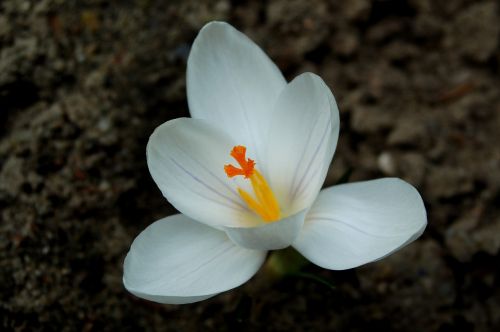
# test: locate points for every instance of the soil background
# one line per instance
(84, 83)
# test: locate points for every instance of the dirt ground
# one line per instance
(84, 83)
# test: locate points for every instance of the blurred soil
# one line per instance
(84, 83)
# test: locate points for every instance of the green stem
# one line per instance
(285, 262)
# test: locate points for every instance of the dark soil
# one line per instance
(84, 83)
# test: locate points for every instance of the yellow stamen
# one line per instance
(264, 204)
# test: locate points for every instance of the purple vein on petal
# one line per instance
(303, 152)
(297, 189)
(225, 246)
(352, 227)
(197, 162)
(194, 177)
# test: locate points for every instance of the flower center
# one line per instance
(264, 203)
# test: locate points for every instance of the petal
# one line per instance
(302, 140)
(272, 236)
(232, 84)
(354, 224)
(178, 260)
(186, 159)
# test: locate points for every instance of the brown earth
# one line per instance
(83, 84)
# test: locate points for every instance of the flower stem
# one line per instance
(284, 262)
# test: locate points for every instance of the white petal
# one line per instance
(177, 260)
(302, 140)
(186, 159)
(354, 224)
(233, 84)
(272, 236)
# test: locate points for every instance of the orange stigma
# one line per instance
(247, 165)
(263, 203)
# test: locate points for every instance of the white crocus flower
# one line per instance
(235, 209)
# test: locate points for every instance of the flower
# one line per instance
(246, 173)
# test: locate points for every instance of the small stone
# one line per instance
(5, 28)
(412, 167)
(386, 163)
(462, 246)
(95, 79)
(488, 238)
(447, 182)
(475, 32)
(11, 176)
(399, 51)
(356, 9)
(104, 124)
(384, 30)
(409, 131)
(370, 119)
(346, 43)
(472, 234)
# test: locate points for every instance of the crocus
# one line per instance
(246, 173)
